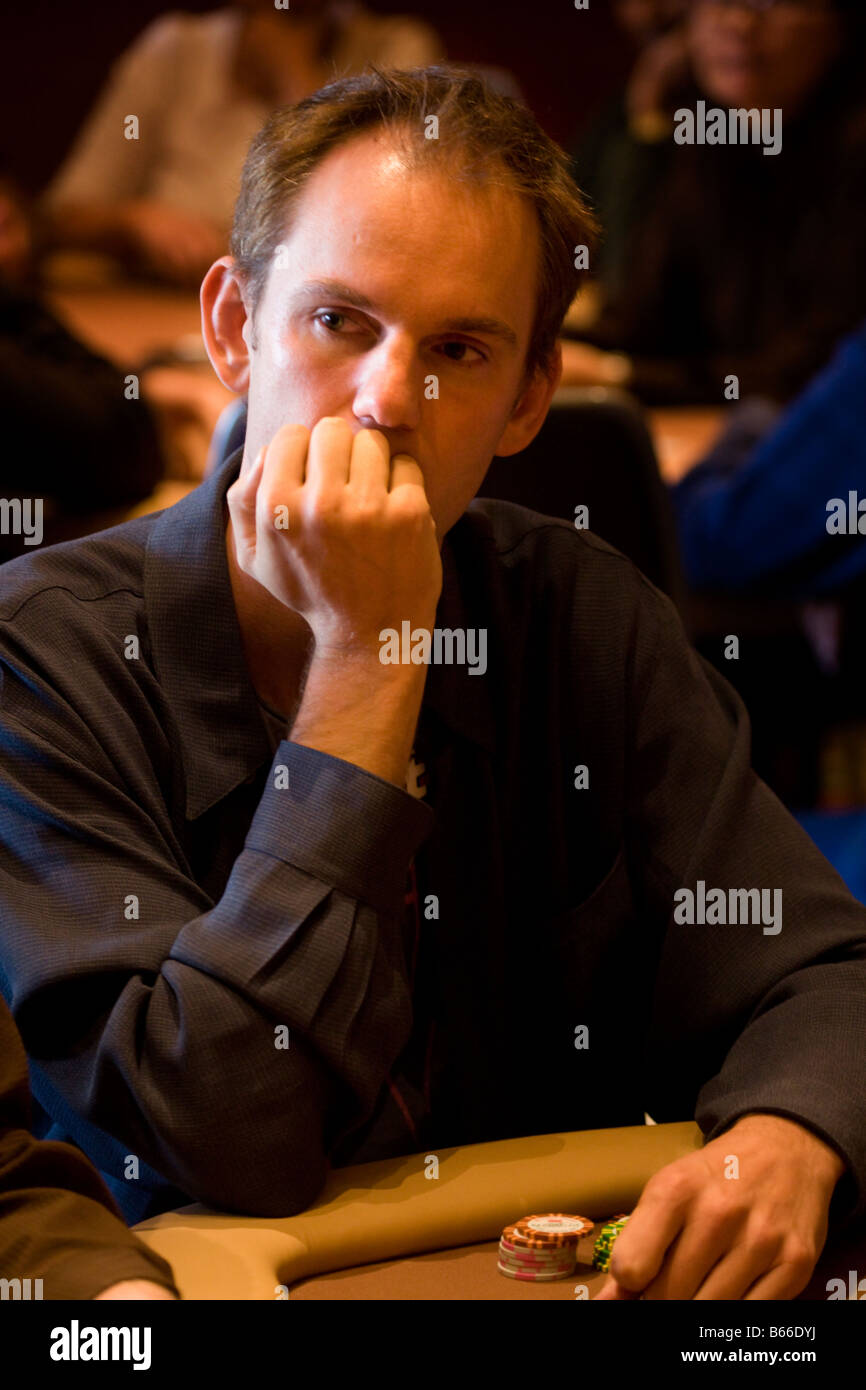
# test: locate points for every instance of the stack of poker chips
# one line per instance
(603, 1248)
(542, 1247)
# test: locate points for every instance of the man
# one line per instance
(159, 196)
(239, 945)
(60, 1236)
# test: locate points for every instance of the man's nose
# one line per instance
(390, 388)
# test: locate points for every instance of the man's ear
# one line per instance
(530, 408)
(225, 325)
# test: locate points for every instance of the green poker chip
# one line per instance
(603, 1248)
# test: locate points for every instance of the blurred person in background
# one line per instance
(619, 159)
(755, 517)
(743, 263)
(200, 87)
(58, 1223)
(70, 435)
(766, 521)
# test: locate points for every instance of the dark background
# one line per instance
(56, 56)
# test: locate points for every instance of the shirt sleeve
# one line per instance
(58, 1222)
(762, 526)
(103, 164)
(230, 1043)
(748, 1015)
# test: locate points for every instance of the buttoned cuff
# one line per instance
(340, 823)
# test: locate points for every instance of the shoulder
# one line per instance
(72, 578)
(557, 595)
(550, 554)
(75, 646)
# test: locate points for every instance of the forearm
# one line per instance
(362, 711)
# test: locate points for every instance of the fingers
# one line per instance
(249, 481)
(653, 1226)
(286, 457)
(329, 459)
(405, 472)
(241, 500)
(613, 1292)
(370, 467)
(694, 1257)
(742, 1268)
(323, 462)
(282, 475)
(784, 1281)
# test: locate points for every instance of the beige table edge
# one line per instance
(390, 1209)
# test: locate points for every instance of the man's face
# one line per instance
(427, 337)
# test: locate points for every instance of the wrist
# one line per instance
(362, 711)
(823, 1154)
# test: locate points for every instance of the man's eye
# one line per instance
(331, 314)
(464, 348)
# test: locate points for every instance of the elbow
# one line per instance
(270, 1190)
(272, 1175)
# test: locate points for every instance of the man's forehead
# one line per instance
(388, 221)
(380, 169)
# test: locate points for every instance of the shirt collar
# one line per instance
(198, 651)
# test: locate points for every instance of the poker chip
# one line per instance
(550, 1232)
(533, 1278)
(603, 1248)
(554, 1269)
(528, 1257)
(522, 1259)
(540, 1248)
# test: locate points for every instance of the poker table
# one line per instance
(427, 1226)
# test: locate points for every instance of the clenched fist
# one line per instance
(339, 532)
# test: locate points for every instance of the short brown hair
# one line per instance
(480, 133)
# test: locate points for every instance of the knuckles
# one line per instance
(676, 1183)
(800, 1255)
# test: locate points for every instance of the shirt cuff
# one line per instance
(340, 823)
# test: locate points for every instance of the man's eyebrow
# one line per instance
(467, 323)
